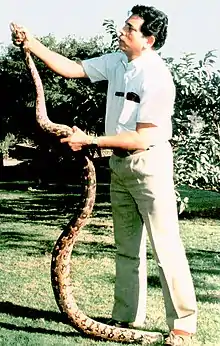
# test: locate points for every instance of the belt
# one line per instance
(124, 153)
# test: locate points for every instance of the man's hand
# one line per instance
(20, 35)
(77, 140)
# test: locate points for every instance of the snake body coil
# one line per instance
(61, 256)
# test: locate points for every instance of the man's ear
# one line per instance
(150, 41)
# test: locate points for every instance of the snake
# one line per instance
(61, 254)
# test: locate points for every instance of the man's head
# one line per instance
(145, 28)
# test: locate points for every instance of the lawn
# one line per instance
(30, 224)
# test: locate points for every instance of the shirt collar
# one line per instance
(134, 64)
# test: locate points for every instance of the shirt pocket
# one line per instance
(128, 116)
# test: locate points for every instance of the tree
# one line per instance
(196, 121)
(110, 28)
(68, 101)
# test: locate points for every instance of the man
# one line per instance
(140, 103)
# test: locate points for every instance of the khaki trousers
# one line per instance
(143, 199)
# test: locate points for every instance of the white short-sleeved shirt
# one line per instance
(140, 91)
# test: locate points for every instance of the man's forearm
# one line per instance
(145, 135)
(131, 140)
(56, 62)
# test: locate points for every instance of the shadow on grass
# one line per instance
(205, 269)
(30, 329)
(211, 298)
(209, 213)
(56, 205)
(94, 249)
(32, 245)
(204, 261)
(33, 314)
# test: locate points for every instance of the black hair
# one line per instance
(155, 23)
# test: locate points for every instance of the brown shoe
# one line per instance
(183, 339)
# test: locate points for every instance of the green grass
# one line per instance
(30, 224)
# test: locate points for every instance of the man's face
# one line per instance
(131, 39)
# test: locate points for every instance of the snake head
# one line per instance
(18, 34)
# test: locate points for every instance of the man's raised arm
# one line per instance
(56, 62)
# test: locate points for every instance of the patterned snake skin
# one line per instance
(61, 256)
